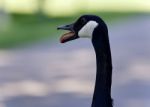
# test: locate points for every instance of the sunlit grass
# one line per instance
(72, 7)
(21, 6)
(60, 7)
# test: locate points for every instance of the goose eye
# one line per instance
(83, 20)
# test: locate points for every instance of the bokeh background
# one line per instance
(37, 71)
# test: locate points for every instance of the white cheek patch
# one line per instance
(87, 30)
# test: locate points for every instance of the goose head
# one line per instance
(83, 27)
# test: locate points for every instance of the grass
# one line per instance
(29, 28)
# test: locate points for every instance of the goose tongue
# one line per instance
(67, 37)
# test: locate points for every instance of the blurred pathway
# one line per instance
(63, 75)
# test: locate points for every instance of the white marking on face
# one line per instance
(87, 30)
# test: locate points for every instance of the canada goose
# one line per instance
(91, 26)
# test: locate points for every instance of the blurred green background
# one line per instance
(26, 21)
(37, 71)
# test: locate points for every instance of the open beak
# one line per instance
(67, 36)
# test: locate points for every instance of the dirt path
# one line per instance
(56, 75)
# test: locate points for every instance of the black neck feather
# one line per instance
(102, 92)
